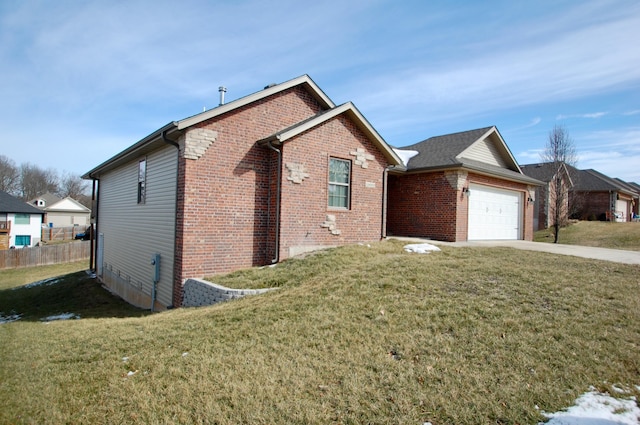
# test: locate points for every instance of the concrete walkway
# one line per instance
(615, 255)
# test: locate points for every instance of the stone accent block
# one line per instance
(297, 173)
(362, 157)
(196, 142)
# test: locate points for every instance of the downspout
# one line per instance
(92, 231)
(175, 222)
(278, 188)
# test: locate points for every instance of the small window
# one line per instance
(23, 240)
(339, 180)
(23, 219)
(142, 181)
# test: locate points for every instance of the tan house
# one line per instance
(62, 212)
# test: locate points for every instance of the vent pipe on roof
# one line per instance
(222, 90)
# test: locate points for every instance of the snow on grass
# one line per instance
(45, 282)
(421, 248)
(595, 408)
(63, 316)
(12, 317)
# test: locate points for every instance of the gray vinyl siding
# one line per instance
(485, 151)
(132, 231)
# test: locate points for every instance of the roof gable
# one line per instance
(303, 80)
(67, 204)
(482, 150)
(346, 108)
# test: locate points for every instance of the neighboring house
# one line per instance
(550, 174)
(459, 187)
(20, 223)
(62, 212)
(251, 182)
(602, 197)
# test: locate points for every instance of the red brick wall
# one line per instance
(227, 198)
(304, 206)
(426, 205)
(223, 196)
(422, 205)
(594, 204)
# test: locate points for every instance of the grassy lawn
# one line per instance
(354, 335)
(596, 233)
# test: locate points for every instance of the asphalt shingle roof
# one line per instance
(442, 150)
(11, 204)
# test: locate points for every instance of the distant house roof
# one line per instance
(11, 204)
(451, 151)
(594, 181)
(546, 171)
(48, 198)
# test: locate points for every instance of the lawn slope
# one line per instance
(353, 335)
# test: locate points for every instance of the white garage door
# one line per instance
(494, 213)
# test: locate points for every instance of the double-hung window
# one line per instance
(339, 183)
(142, 181)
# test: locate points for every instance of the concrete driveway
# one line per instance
(615, 255)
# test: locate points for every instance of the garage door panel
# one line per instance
(494, 213)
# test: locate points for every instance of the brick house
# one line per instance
(459, 187)
(551, 174)
(250, 182)
(600, 197)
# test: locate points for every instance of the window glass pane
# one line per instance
(339, 175)
(338, 196)
(22, 240)
(142, 181)
(22, 219)
(338, 171)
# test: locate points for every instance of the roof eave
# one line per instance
(132, 151)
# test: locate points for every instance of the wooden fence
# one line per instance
(43, 255)
(62, 233)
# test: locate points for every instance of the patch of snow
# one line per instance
(46, 282)
(421, 248)
(63, 316)
(9, 317)
(594, 408)
(405, 155)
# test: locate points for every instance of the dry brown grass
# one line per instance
(354, 335)
(596, 233)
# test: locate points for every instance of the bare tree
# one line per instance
(35, 181)
(559, 150)
(73, 186)
(9, 175)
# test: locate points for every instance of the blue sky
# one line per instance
(82, 80)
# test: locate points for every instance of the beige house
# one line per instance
(60, 212)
